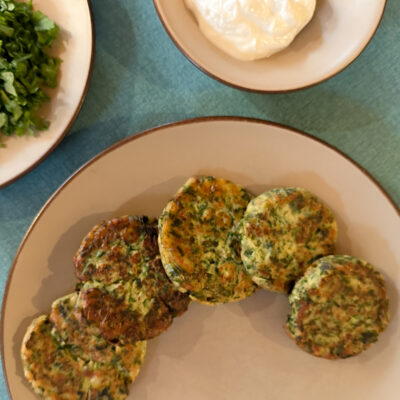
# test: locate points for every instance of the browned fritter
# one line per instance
(60, 371)
(125, 291)
(338, 308)
(117, 249)
(117, 321)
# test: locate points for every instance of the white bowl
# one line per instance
(75, 47)
(235, 351)
(338, 33)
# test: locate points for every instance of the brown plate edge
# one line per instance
(74, 116)
(137, 136)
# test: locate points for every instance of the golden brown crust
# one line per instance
(117, 322)
(136, 301)
(339, 307)
(199, 240)
(284, 230)
(116, 249)
(57, 373)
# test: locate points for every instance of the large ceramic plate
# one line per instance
(75, 47)
(337, 34)
(236, 351)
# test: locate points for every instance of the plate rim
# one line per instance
(139, 135)
(74, 115)
(354, 57)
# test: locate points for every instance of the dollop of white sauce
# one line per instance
(251, 29)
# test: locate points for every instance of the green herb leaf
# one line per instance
(46, 29)
(3, 119)
(25, 67)
(8, 78)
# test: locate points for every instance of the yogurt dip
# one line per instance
(251, 29)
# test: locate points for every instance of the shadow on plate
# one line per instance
(175, 343)
(152, 201)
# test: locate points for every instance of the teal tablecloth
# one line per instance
(140, 79)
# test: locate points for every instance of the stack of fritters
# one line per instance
(217, 243)
(125, 291)
(93, 343)
(215, 238)
(83, 366)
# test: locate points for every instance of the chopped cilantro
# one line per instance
(248, 252)
(297, 203)
(24, 66)
(369, 337)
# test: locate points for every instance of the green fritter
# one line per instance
(338, 308)
(125, 292)
(200, 243)
(57, 373)
(84, 339)
(283, 231)
(117, 249)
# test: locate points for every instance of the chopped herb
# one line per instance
(369, 337)
(189, 190)
(248, 252)
(100, 253)
(176, 222)
(24, 66)
(297, 203)
(202, 207)
(181, 252)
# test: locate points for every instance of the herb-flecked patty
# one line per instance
(117, 249)
(56, 373)
(200, 243)
(85, 341)
(283, 231)
(125, 291)
(131, 310)
(338, 308)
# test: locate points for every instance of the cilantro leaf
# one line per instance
(46, 29)
(25, 67)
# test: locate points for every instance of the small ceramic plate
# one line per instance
(337, 34)
(74, 46)
(235, 351)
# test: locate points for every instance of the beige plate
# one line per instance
(337, 34)
(236, 351)
(75, 47)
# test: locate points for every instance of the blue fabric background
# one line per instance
(140, 79)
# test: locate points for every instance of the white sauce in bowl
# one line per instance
(251, 29)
